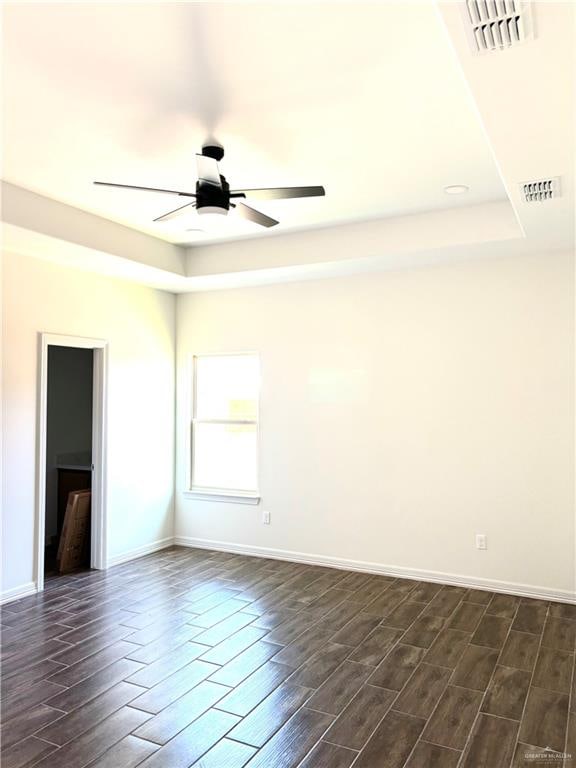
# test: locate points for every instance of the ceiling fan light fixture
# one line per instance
(212, 210)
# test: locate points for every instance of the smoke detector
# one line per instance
(493, 25)
(541, 190)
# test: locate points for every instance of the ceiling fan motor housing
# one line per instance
(213, 199)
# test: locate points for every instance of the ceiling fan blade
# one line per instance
(145, 189)
(208, 170)
(256, 216)
(175, 212)
(277, 193)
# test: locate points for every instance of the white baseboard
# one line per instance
(472, 582)
(24, 590)
(147, 549)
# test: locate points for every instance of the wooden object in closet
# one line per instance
(75, 537)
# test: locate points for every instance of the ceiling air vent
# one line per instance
(496, 24)
(538, 191)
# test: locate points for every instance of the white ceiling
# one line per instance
(365, 98)
(384, 105)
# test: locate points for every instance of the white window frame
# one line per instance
(202, 493)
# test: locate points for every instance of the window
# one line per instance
(225, 426)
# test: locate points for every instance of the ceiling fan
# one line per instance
(213, 193)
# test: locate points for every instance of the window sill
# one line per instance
(213, 494)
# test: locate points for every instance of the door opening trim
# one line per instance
(98, 550)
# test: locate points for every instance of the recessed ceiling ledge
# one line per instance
(30, 211)
(486, 222)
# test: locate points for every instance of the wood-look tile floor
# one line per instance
(213, 660)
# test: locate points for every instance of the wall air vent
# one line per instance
(492, 25)
(539, 191)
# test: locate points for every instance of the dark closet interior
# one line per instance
(68, 458)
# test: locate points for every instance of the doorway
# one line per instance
(68, 451)
(71, 457)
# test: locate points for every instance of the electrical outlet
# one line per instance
(266, 518)
(481, 541)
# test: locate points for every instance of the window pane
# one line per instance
(224, 456)
(227, 387)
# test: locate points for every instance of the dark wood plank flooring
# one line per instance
(197, 658)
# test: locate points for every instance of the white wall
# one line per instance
(138, 322)
(402, 413)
